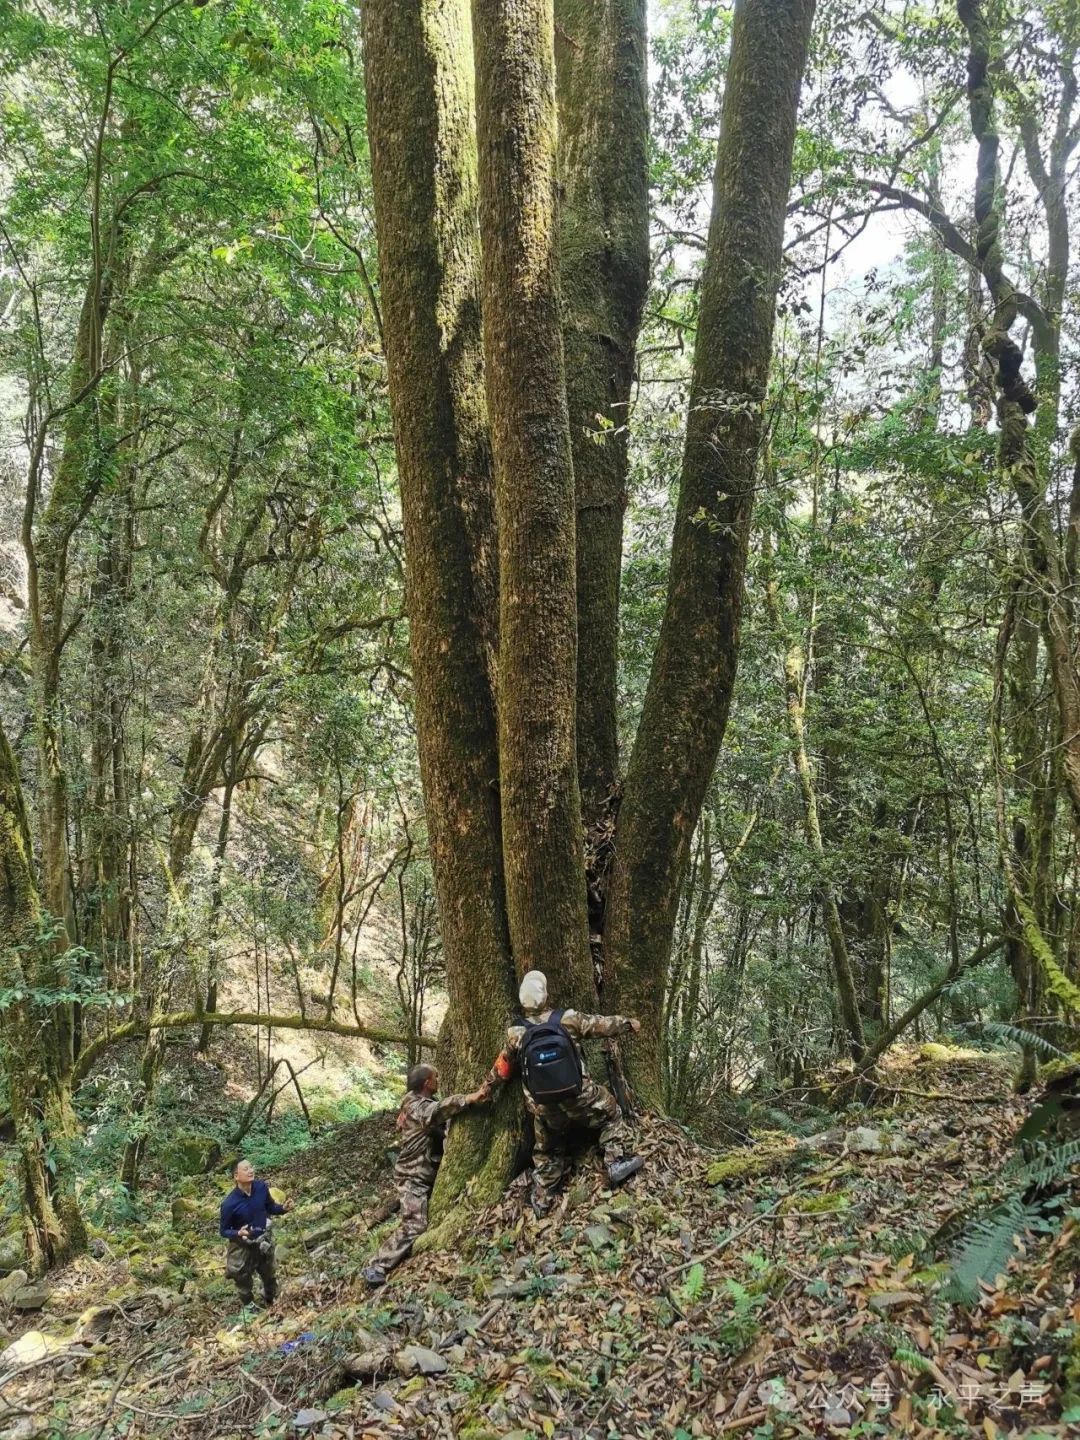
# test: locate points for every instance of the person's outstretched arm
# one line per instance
(604, 1027)
(434, 1112)
(502, 1071)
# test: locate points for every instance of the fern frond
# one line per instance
(906, 1242)
(781, 1120)
(985, 1249)
(1014, 1035)
(1048, 1164)
(694, 1284)
(912, 1359)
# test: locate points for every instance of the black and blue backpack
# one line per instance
(550, 1064)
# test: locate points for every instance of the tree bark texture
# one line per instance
(543, 850)
(602, 92)
(690, 687)
(418, 66)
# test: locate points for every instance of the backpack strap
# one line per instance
(555, 1018)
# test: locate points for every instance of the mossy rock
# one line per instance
(192, 1155)
(186, 1213)
(745, 1164)
(938, 1054)
(832, 1200)
(1059, 1073)
(12, 1252)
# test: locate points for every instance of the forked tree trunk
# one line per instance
(418, 67)
(543, 854)
(37, 1074)
(690, 688)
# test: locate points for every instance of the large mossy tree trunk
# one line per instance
(543, 853)
(31, 1045)
(419, 74)
(603, 115)
(690, 687)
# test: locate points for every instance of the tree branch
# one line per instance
(132, 1029)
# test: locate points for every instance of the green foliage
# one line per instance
(1027, 1039)
(987, 1246)
(740, 1320)
(693, 1287)
(1048, 1164)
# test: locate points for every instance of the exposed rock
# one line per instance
(308, 1419)
(416, 1359)
(30, 1348)
(892, 1299)
(11, 1283)
(30, 1297)
(598, 1236)
(12, 1252)
(184, 1211)
(192, 1155)
(826, 1142)
(93, 1324)
(366, 1364)
(864, 1140)
(511, 1289)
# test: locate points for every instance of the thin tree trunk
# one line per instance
(418, 68)
(843, 976)
(213, 928)
(37, 1070)
(690, 688)
(1018, 449)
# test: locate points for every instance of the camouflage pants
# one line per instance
(244, 1262)
(414, 1208)
(596, 1110)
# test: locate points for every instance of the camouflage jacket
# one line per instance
(577, 1025)
(421, 1124)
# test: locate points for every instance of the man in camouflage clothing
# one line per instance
(421, 1123)
(594, 1109)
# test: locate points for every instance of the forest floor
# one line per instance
(791, 1287)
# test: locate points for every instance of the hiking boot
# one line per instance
(620, 1170)
(541, 1202)
(373, 1276)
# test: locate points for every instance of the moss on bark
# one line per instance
(534, 492)
(419, 74)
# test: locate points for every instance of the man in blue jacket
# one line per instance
(245, 1224)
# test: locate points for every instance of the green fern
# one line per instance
(985, 1249)
(904, 1242)
(694, 1285)
(1026, 1039)
(1048, 1164)
(781, 1120)
(911, 1359)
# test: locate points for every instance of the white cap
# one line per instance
(533, 990)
